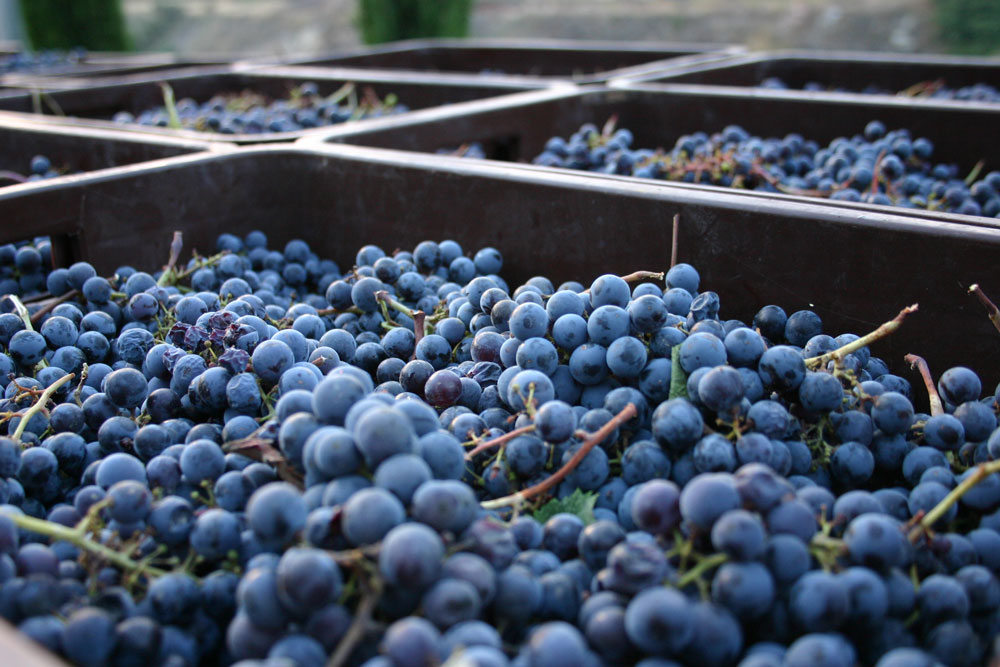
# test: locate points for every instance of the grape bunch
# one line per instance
(878, 166)
(38, 62)
(263, 458)
(252, 113)
(25, 266)
(934, 90)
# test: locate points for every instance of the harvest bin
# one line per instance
(851, 71)
(94, 106)
(856, 270)
(580, 61)
(515, 128)
(75, 150)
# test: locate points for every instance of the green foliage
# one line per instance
(678, 380)
(98, 25)
(579, 503)
(390, 20)
(969, 26)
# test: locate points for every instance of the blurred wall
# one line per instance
(10, 21)
(301, 26)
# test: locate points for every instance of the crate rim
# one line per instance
(641, 188)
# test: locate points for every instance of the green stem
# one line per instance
(517, 499)
(883, 331)
(174, 120)
(383, 297)
(982, 472)
(703, 566)
(77, 538)
(39, 404)
(22, 311)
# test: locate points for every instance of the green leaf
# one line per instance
(678, 380)
(579, 503)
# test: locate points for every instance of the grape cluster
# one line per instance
(41, 61)
(878, 166)
(24, 267)
(934, 90)
(263, 458)
(251, 113)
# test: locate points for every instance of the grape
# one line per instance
(818, 602)
(745, 589)
(369, 514)
(677, 425)
(88, 638)
(383, 432)
(444, 504)
(828, 650)
(942, 598)
(892, 412)
(275, 512)
(659, 621)
(131, 501)
(958, 385)
(656, 507)
(739, 534)
(707, 497)
(411, 556)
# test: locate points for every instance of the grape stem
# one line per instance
(937, 408)
(673, 240)
(519, 498)
(991, 308)
(636, 276)
(78, 538)
(383, 297)
(356, 632)
(176, 244)
(22, 311)
(47, 308)
(703, 566)
(500, 440)
(39, 404)
(884, 330)
(418, 329)
(983, 471)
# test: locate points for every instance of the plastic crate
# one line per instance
(855, 269)
(515, 128)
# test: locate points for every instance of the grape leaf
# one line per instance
(579, 503)
(678, 380)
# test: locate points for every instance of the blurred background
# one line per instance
(278, 27)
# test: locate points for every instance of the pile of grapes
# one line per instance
(891, 168)
(262, 457)
(41, 61)
(252, 113)
(934, 90)
(39, 168)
